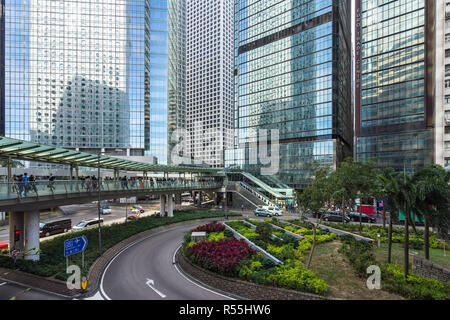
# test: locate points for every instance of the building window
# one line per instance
(447, 162)
(447, 98)
(447, 145)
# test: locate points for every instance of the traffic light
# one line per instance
(16, 235)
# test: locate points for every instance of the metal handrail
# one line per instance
(20, 190)
(257, 194)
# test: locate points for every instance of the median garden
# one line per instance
(338, 268)
(235, 258)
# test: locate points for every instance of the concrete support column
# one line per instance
(70, 172)
(162, 204)
(170, 206)
(178, 198)
(77, 173)
(31, 235)
(198, 196)
(16, 223)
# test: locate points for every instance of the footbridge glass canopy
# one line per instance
(28, 151)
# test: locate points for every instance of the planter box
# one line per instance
(198, 236)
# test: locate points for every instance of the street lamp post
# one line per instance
(98, 205)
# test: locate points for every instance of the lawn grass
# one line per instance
(333, 267)
(436, 255)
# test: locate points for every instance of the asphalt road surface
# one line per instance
(145, 271)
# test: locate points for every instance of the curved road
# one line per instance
(145, 271)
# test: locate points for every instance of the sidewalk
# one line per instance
(47, 285)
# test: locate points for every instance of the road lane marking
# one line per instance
(1, 284)
(151, 284)
(178, 270)
(102, 290)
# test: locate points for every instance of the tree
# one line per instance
(407, 196)
(432, 200)
(316, 194)
(352, 179)
(389, 189)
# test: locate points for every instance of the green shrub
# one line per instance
(216, 236)
(264, 230)
(414, 286)
(228, 233)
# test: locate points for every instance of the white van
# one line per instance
(274, 210)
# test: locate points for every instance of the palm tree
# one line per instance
(390, 191)
(408, 197)
(432, 198)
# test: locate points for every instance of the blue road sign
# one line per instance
(76, 245)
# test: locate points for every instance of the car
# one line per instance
(354, 216)
(3, 246)
(335, 216)
(133, 214)
(55, 227)
(274, 210)
(105, 210)
(260, 212)
(85, 224)
(136, 207)
(188, 199)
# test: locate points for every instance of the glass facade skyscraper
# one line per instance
(293, 74)
(74, 73)
(394, 86)
(89, 74)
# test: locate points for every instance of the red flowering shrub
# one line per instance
(210, 228)
(221, 256)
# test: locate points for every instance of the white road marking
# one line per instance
(96, 296)
(178, 270)
(102, 290)
(151, 284)
(1, 284)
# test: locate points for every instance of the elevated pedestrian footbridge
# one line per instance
(23, 198)
(17, 196)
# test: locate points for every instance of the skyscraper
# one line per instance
(209, 79)
(442, 114)
(165, 52)
(395, 86)
(92, 75)
(293, 74)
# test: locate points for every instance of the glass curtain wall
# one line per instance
(75, 73)
(293, 74)
(392, 126)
